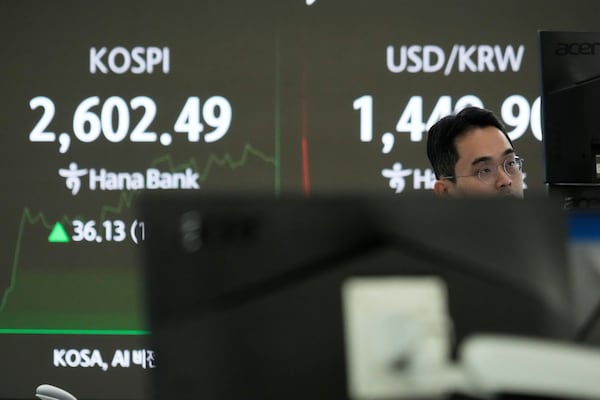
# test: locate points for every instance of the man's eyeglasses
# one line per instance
(488, 172)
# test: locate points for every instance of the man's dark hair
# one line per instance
(441, 147)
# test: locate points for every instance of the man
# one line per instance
(472, 155)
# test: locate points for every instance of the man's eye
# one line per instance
(485, 171)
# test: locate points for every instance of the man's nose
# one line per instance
(502, 178)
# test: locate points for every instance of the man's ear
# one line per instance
(440, 187)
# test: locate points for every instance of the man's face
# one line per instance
(482, 148)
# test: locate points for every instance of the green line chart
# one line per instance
(107, 285)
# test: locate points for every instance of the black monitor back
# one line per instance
(245, 292)
(570, 81)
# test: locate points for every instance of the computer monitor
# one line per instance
(570, 83)
(244, 292)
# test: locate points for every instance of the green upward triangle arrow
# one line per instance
(58, 234)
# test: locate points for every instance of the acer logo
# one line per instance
(575, 49)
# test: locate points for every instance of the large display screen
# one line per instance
(103, 99)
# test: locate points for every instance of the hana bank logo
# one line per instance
(397, 176)
(421, 179)
(72, 177)
(104, 180)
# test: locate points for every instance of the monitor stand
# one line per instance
(575, 196)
